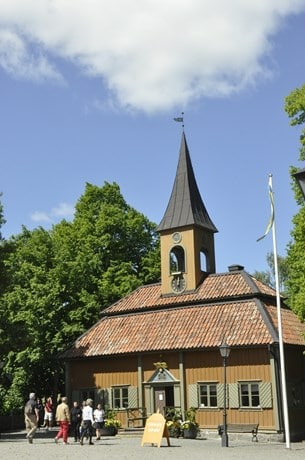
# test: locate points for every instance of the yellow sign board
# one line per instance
(155, 430)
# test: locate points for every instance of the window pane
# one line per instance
(255, 395)
(244, 389)
(116, 398)
(124, 397)
(213, 396)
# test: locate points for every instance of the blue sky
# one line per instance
(89, 91)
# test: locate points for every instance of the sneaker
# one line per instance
(30, 440)
(91, 443)
(55, 440)
(66, 443)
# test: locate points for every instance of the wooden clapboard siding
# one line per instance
(82, 374)
(202, 366)
(104, 373)
(250, 364)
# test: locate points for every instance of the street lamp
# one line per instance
(225, 352)
(300, 178)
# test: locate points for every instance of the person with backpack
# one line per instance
(31, 417)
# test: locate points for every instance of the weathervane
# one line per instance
(180, 119)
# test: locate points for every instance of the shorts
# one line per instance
(48, 416)
(99, 425)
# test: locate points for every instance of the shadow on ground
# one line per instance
(21, 434)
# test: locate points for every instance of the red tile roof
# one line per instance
(214, 287)
(231, 305)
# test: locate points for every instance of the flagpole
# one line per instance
(279, 320)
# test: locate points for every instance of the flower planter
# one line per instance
(190, 433)
(109, 431)
(174, 432)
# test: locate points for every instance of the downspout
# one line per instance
(276, 387)
(182, 382)
(140, 380)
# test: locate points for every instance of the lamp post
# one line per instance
(225, 352)
(300, 178)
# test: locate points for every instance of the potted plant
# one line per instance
(173, 419)
(190, 427)
(112, 424)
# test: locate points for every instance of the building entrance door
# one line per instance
(164, 397)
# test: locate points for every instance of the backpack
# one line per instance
(28, 409)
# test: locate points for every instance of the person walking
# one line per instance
(31, 417)
(76, 418)
(98, 416)
(48, 413)
(63, 419)
(87, 422)
(40, 409)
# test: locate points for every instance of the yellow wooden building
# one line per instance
(158, 347)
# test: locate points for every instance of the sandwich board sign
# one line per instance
(155, 429)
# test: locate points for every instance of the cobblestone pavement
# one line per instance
(128, 447)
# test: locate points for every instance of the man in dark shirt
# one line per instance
(31, 417)
(76, 419)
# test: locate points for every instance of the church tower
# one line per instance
(186, 233)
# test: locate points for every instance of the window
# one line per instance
(249, 395)
(177, 259)
(208, 395)
(203, 261)
(120, 397)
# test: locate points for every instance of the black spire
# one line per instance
(185, 206)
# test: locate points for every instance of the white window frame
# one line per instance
(122, 398)
(251, 394)
(208, 395)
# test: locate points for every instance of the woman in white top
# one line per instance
(87, 422)
(98, 416)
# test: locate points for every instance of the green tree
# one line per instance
(60, 280)
(295, 109)
(30, 305)
(268, 276)
(2, 220)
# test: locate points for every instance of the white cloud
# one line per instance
(17, 59)
(62, 211)
(151, 54)
(40, 216)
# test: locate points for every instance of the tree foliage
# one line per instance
(2, 220)
(295, 109)
(60, 280)
(296, 263)
(268, 276)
